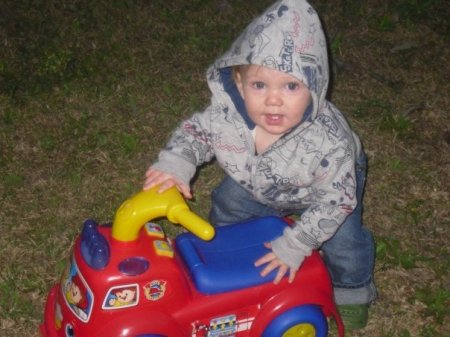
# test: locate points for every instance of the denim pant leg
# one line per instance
(231, 203)
(350, 253)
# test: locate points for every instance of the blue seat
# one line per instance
(226, 262)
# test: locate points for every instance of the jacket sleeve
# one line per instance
(332, 199)
(188, 147)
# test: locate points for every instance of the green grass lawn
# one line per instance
(91, 90)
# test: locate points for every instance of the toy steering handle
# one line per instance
(150, 204)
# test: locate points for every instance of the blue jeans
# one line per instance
(349, 254)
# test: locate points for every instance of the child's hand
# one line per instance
(273, 262)
(165, 180)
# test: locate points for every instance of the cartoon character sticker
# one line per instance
(78, 296)
(155, 290)
(121, 297)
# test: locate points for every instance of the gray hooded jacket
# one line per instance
(311, 168)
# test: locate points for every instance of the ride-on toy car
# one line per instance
(129, 280)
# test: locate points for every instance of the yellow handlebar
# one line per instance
(147, 205)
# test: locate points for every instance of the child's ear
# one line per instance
(238, 81)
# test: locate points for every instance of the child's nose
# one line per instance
(273, 98)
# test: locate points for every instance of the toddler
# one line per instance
(285, 149)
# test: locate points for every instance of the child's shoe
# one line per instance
(354, 316)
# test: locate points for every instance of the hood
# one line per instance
(288, 37)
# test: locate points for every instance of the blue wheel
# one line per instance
(302, 321)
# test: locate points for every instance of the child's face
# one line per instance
(275, 101)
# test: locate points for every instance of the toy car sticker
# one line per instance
(199, 329)
(77, 294)
(223, 326)
(153, 229)
(229, 326)
(245, 324)
(163, 248)
(121, 297)
(58, 316)
(155, 290)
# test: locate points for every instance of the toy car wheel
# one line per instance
(303, 321)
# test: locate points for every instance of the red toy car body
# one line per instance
(151, 286)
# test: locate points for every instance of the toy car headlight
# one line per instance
(69, 331)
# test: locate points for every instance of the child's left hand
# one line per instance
(273, 262)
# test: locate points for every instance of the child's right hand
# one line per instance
(165, 180)
(273, 262)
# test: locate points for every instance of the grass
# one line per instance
(90, 91)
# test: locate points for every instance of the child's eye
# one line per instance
(293, 86)
(258, 85)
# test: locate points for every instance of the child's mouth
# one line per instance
(273, 119)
